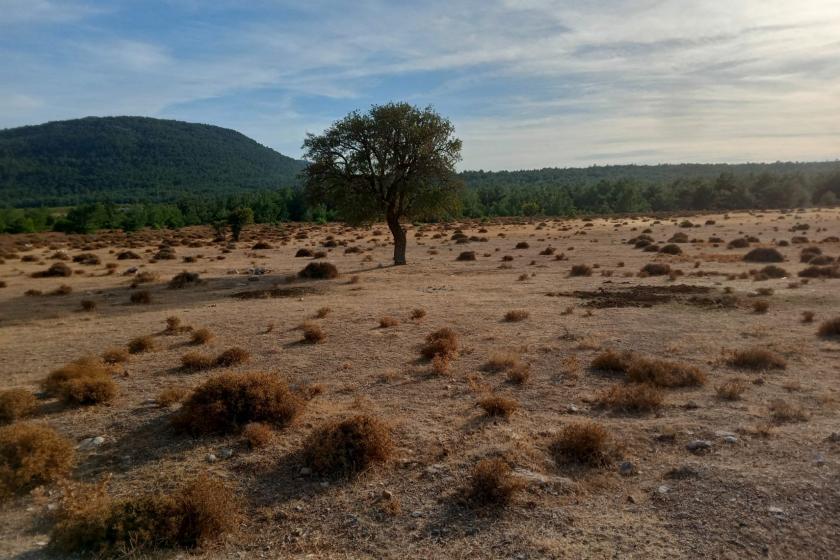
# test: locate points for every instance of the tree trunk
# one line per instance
(399, 239)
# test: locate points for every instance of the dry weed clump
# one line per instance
(141, 344)
(580, 270)
(322, 312)
(493, 483)
(194, 361)
(441, 364)
(761, 306)
(84, 381)
(58, 269)
(516, 315)
(348, 446)
(663, 373)
(501, 361)
(170, 396)
(319, 271)
(232, 357)
(782, 411)
(764, 255)
(312, 332)
(807, 317)
(16, 404)
(613, 361)
(31, 455)
(731, 390)
(195, 515)
(184, 279)
(417, 314)
(227, 402)
(115, 356)
(636, 397)
(656, 269)
(466, 256)
(87, 305)
(582, 443)
(757, 359)
(257, 434)
(498, 406)
(830, 328)
(201, 336)
(442, 342)
(143, 297)
(388, 322)
(519, 374)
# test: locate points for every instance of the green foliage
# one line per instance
(238, 218)
(133, 159)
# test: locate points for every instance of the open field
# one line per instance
(740, 459)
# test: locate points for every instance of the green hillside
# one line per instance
(129, 159)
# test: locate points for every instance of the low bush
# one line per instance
(466, 256)
(387, 322)
(656, 269)
(498, 406)
(257, 434)
(348, 446)
(115, 356)
(56, 269)
(16, 404)
(613, 361)
(201, 336)
(580, 270)
(664, 373)
(516, 315)
(84, 381)
(830, 328)
(757, 359)
(141, 344)
(232, 357)
(142, 297)
(319, 271)
(731, 390)
(493, 483)
(184, 279)
(227, 402)
(635, 397)
(583, 443)
(312, 332)
(442, 342)
(31, 455)
(764, 255)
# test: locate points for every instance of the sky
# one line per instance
(527, 83)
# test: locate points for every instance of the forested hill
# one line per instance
(133, 159)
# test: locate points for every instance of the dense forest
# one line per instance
(129, 173)
(133, 159)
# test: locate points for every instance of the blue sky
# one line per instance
(527, 83)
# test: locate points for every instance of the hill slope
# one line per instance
(127, 159)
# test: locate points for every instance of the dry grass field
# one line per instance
(522, 389)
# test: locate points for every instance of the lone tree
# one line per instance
(395, 162)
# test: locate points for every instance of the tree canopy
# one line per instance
(394, 162)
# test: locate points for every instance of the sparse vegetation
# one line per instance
(635, 397)
(493, 483)
(583, 443)
(516, 315)
(498, 406)
(312, 332)
(443, 342)
(84, 381)
(31, 455)
(319, 271)
(348, 446)
(731, 390)
(830, 328)
(16, 404)
(141, 344)
(757, 359)
(201, 336)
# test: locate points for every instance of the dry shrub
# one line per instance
(387, 322)
(348, 446)
(519, 374)
(498, 406)
(227, 402)
(322, 312)
(807, 317)
(257, 434)
(731, 390)
(171, 396)
(232, 357)
(442, 342)
(466, 256)
(303, 253)
(184, 279)
(16, 404)
(820, 272)
(84, 381)
(830, 328)
(193, 361)
(173, 325)
(195, 515)
(773, 271)
(88, 305)
(522, 245)
(760, 306)
(201, 336)
(663, 373)
(31, 455)
(580, 270)
(141, 344)
(516, 315)
(757, 359)
(143, 297)
(418, 313)
(58, 269)
(441, 364)
(312, 332)
(656, 269)
(493, 483)
(583, 443)
(612, 361)
(782, 411)
(636, 397)
(671, 249)
(319, 271)
(115, 356)
(501, 361)
(764, 255)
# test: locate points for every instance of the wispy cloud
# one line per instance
(528, 83)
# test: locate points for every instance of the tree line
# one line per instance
(726, 191)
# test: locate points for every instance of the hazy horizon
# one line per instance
(528, 84)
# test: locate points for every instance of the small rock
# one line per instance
(211, 458)
(664, 489)
(572, 408)
(305, 471)
(226, 453)
(387, 495)
(416, 514)
(91, 443)
(626, 468)
(776, 510)
(325, 483)
(819, 459)
(698, 445)
(730, 439)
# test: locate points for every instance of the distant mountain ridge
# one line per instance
(133, 159)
